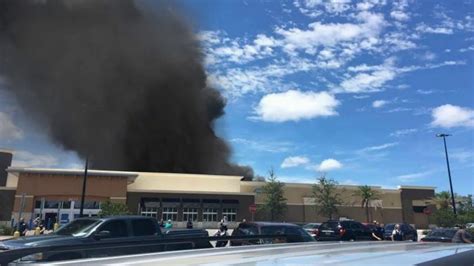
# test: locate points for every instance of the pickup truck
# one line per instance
(105, 236)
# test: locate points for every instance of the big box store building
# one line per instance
(205, 199)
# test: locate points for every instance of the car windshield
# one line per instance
(442, 233)
(273, 230)
(311, 226)
(247, 229)
(389, 227)
(78, 227)
(330, 226)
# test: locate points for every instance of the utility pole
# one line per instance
(449, 170)
(84, 183)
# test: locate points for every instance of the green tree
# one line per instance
(274, 202)
(367, 194)
(112, 208)
(326, 197)
(442, 200)
(443, 218)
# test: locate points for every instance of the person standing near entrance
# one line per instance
(397, 233)
(22, 227)
(169, 224)
(189, 224)
(377, 232)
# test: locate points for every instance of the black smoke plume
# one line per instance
(115, 81)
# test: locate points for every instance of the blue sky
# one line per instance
(356, 90)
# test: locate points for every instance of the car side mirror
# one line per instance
(102, 234)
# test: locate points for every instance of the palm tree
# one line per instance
(367, 194)
(442, 200)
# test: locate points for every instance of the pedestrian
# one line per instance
(161, 223)
(22, 227)
(169, 224)
(397, 233)
(221, 232)
(461, 235)
(224, 222)
(244, 220)
(377, 232)
(189, 224)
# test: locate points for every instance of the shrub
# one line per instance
(111, 208)
(6, 230)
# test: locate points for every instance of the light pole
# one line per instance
(84, 183)
(449, 170)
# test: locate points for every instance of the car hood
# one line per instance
(38, 241)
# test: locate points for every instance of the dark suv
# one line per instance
(343, 230)
(295, 233)
(409, 233)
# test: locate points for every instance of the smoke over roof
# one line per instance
(111, 81)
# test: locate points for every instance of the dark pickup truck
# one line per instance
(108, 233)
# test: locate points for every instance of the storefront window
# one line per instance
(150, 212)
(190, 214)
(87, 205)
(170, 214)
(231, 214)
(209, 214)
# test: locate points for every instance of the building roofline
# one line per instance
(417, 187)
(145, 191)
(94, 172)
(4, 150)
(61, 171)
(293, 184)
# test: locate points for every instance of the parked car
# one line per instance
(294, 233)
(312, 228)
(409, 233)
(373, 228)
(108, 231)
(440, 235)
(470, 225)
(343, 230)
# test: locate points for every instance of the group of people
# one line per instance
(166, 225)
(461, 236)
(222, 231)
(378, 232)
(23, 227)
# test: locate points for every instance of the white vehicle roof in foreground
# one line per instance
(355, 253)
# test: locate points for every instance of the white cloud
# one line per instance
(379, 103)
(315, 8)
(360, 97)
(407, 178)
(266, 146)
(403, 132)
(449, 116)
(462, 155)
(364, 82)
(378, 147)
(425, 92)
(331, 34)
(8, 130)
(467, 49)
(435, 30)
(295, 105)
(399, 109)
(294, 161)
(28, 159)
(329, 165)
(399, 15)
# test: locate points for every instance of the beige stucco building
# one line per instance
(56, 193)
